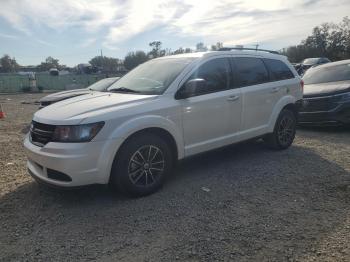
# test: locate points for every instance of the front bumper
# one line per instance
(338, 116)
(83, 163)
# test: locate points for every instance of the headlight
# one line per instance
(76, 133)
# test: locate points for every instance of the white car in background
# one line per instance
(164, 110)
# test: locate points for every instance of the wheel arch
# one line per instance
(287, 102)
(293, 108)
(159, 125)
(161, 132)
(166, 135)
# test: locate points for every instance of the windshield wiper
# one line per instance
(123, 90)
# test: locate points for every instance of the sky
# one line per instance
(74, 31)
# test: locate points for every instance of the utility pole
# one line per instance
(101, 60)
(256, 46)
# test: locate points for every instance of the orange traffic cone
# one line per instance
(2, 113)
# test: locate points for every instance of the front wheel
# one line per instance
(284, 131)
(141, 165)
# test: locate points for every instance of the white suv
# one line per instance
(166, 109)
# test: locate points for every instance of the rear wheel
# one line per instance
(141, 165)
(284, 131)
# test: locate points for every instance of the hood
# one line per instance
(325, 89)
(64, 95)
(77, 109)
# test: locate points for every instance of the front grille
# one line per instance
(319, 104)
(41, 134)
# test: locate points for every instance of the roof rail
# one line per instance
(251, 49)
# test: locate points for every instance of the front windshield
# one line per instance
(310, 61)
(327, 74)
(102, 85)
(152, 77)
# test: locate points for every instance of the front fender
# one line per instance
(278, 108)
(134, 125)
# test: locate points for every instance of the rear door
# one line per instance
(282, 79)
(258, 95)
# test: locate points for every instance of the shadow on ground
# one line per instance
(262, 205)
(333, 129)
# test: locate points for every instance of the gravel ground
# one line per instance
(241, 203)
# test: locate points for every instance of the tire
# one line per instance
(141, 165)
(284, 131)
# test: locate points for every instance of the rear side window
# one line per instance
(216, 73)
(278, 70)
(250, 71)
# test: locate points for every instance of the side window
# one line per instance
(216, 73)
(278, 70)
(250, 71)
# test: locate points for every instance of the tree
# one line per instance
(166, 51)
(8, 64)
(133, 59)
(200, 47)
(217, 46)
(156, 49)
(179, 51)
(188, 50)
(345, 29)
(49, 63)
(106, 64)
(329, 40)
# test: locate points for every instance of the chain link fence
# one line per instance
(14, 83)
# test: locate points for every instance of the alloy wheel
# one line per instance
(286, 130)
(146, 166)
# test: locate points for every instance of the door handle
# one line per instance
(232, 98)
(275, 90)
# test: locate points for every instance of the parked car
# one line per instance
(54, 72)
(327, 95)
(86, 68)
(297, 67)
(311, 62)
(100, 86)
(164, 110)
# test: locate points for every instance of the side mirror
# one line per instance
(191, 87)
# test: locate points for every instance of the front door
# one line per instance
(213, 114)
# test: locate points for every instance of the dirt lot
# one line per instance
(262, 205)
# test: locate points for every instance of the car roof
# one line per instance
(231, 52)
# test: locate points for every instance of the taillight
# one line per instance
(302, 85)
